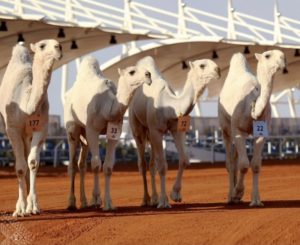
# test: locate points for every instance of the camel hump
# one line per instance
(89, 68)
(238, 63)
(148, 63)
(20, 54)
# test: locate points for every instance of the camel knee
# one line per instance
(256, 168)
(162, 170)
(21, 172)
(81, 165)
(142, 166)
(96, 164)
(107, 170)
(184, 162)
(33, 165)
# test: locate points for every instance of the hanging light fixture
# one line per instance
(215, 55)
(246, 50)
(74, 45)
(113, 40)
(20, 38)
(184, 65)
(3, 26)
(61, 33)
(297, 54)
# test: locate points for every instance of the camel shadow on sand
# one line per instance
(64, 214)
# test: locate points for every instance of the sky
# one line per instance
(259, 8)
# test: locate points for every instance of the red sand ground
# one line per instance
(202, 218)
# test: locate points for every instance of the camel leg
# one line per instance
(141, 141)
(82, 170)
(27, 143)
(156, 142)
(92, 137)
(21, 168)
(231, 165)
(38, 139)
(243, 165)
(73, 132)
(256, 166)
(140, 136)
(179, 139)
(107, 169)
(152, 169)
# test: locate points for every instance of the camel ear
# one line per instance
(191, 64)
(32, 47)
(257, 56)
(120, 72)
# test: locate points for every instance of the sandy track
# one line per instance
(202, 218)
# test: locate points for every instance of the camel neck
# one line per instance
(41, 75)
(121, 101)
(265, 80)
(190, 93)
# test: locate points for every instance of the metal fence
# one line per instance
(55, 150)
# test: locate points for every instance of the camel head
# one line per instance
(47, 49)
(271, 61)
(134, 76)
(204, 71)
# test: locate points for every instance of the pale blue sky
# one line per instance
(259, 8)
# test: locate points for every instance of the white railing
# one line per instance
(131, 15)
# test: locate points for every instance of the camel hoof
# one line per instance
(83, 204)
(19, 213)
(108, 206)
(71, 208)
(146, 201)
(154, 200)
(96, 201)
(163, 202)
(32, 205)
(176, 196)
(256, 203)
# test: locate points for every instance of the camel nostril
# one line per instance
(218, 71)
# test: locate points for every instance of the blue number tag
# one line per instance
(260, 128)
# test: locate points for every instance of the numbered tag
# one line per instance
(260, 128)
(114, 131)
(33, 124)
(183, 123)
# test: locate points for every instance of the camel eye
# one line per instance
(132, 72)
(267, 56)
(202, 66)
(42, 46)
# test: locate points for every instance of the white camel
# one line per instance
(24, 112)
(155, 110)
(244, 99)
(91, 104)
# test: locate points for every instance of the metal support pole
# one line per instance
(291, 102)
(230, 27)
(69, 12)
(18, 7)
(277, 30)
(181, 31)
(64, 82)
